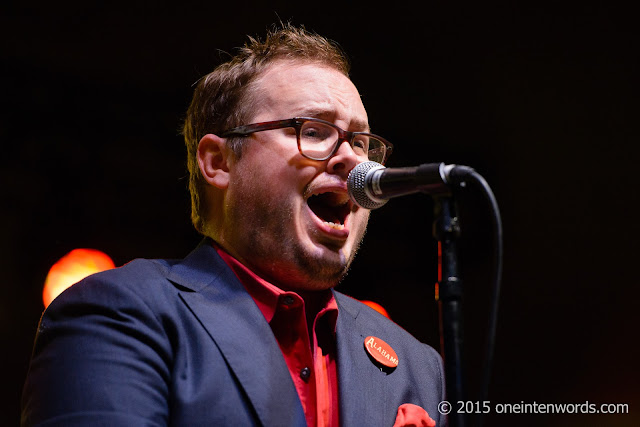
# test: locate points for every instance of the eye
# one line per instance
(318, 133)
(314, 133)
(310, 133)
(361, 144)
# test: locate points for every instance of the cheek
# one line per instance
(273, 180)
(268, 188)
(361, 219)
(280, 175)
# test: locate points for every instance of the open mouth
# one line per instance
(331, 208)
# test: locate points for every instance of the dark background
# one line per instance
(542, 100)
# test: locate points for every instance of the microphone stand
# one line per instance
(449, 296)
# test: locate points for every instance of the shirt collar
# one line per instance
(267, 295)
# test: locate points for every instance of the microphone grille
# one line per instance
(356, 183)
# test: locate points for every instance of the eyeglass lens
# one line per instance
(317, 140)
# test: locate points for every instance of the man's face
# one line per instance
(287, 217)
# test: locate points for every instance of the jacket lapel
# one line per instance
(360, 382)
(232, 319)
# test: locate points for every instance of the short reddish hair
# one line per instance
(222, 98)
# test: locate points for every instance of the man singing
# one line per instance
(247, 329)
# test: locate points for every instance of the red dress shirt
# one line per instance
(305, 330)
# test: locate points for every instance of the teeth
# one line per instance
(335, 226)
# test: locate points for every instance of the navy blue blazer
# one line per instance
(181, 343)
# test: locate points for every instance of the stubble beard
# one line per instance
(271, 247)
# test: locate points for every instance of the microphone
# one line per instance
(371, 185)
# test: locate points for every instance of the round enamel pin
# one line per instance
(381, 351)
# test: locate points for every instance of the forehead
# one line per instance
(291, 88)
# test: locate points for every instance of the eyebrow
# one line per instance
(325, 114)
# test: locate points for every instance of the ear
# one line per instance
(213, 159)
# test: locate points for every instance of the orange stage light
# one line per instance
(71, 268)
(377, 307)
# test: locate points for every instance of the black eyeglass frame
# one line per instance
(296, 123)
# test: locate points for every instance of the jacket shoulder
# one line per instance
(141, 278)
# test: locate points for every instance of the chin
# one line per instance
(315, 269)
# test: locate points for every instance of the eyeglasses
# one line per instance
(319, 139)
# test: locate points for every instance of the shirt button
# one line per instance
(305, 373)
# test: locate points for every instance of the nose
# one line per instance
(343, 160)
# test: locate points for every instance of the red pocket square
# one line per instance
(410, 415)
